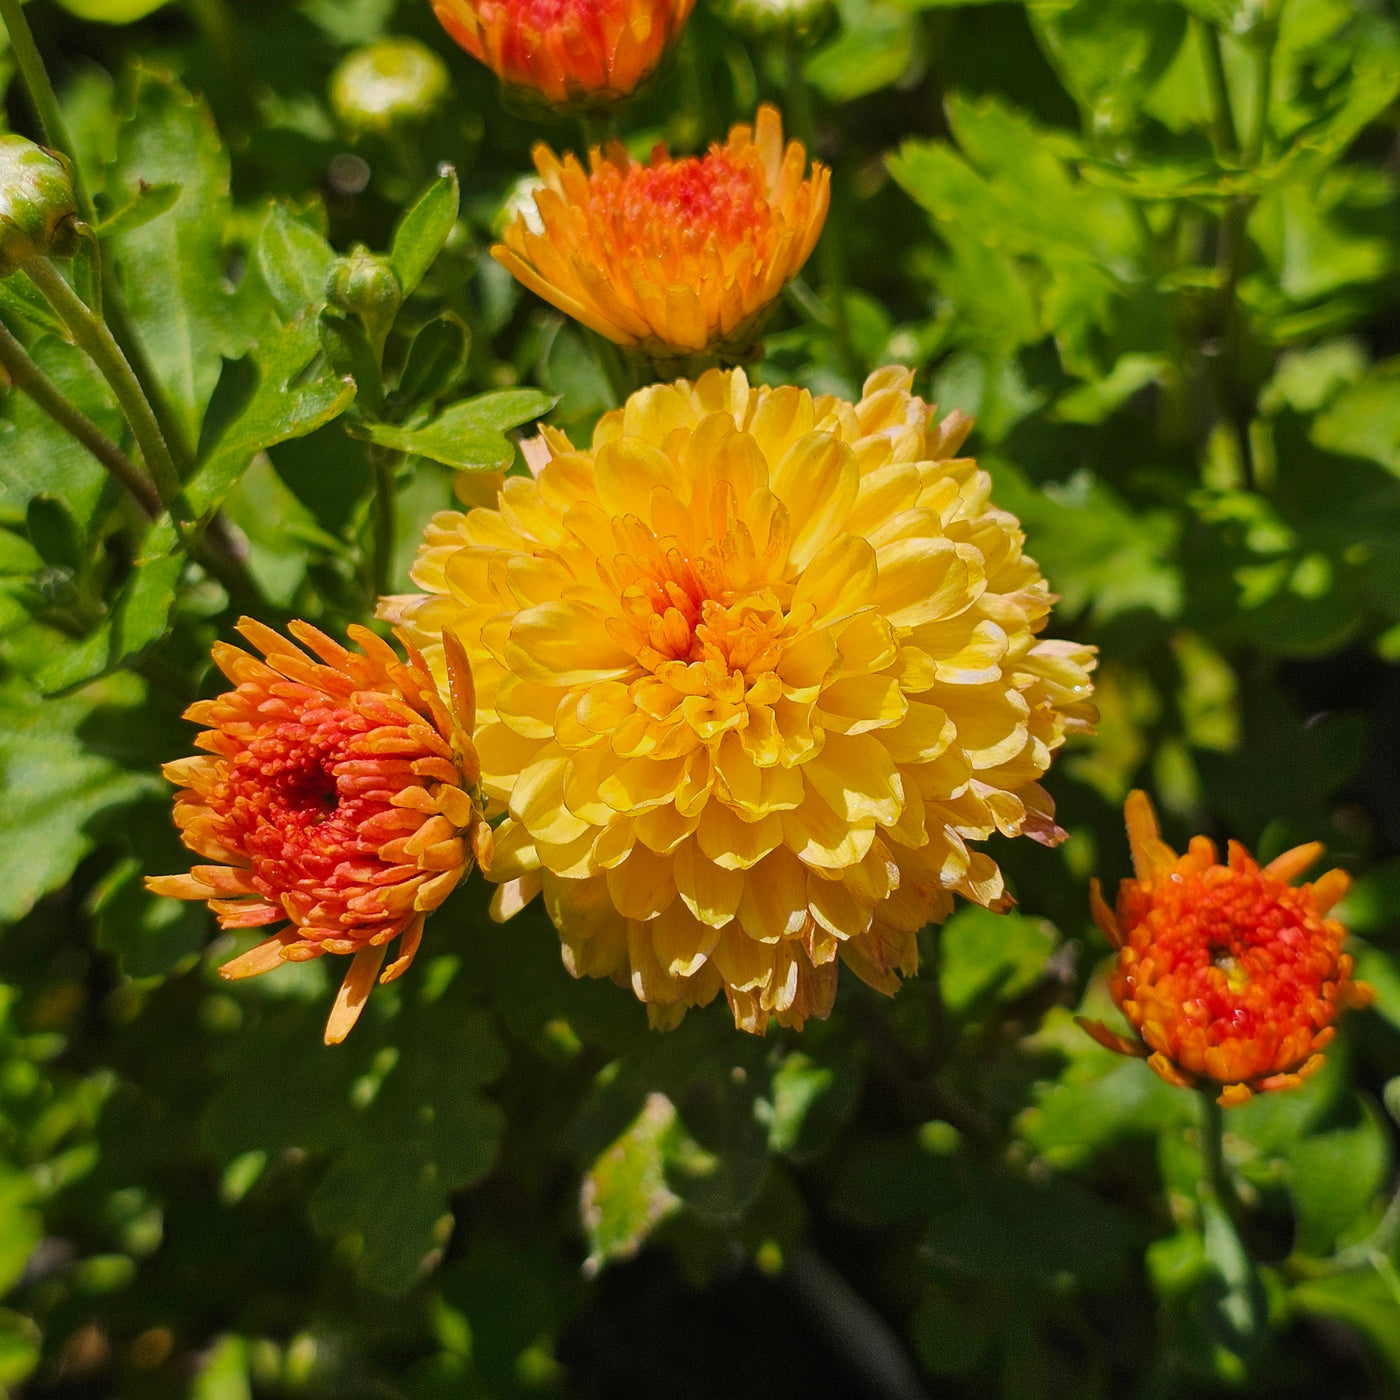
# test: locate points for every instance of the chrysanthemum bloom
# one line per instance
(1228, 973)
(576, 55)
(337, 793)
(754, 670)
(679, 258)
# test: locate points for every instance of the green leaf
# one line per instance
(1334, 1179)
(469, 435)
(984, 955)
(51, 786)
(1237, 1310)
(172, 268)
(1363, 1301)
(151, 202)
(348, 349)
(56, 535)
(874, 49)
(37, 457)
(1096, 401)
(436, 360)
(1094, 550)
(20, 297)
(294, 261)
(1364, 418)
(112, 11)
(424, 230)
(625, 1195)
(276, 399)
(1109, 53)
(139, 617)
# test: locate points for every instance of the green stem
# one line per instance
(41, 94)
(1214, 1175)
(599, 126)
(1263, 94)
(386, 511)
(1382, 1241)
(34, 382)
(830, 251)
(1222, 115)
(618, 376)
(96, 341)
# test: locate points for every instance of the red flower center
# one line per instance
(689, 202)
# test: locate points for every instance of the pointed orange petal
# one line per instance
(354, 992)
(460, 684)
(412, 937)
(1151, 855)
(1110, 1040)
(1163, 1068)
(262, 958)
(1292, 863)
(1103, 916)
(1328, 889)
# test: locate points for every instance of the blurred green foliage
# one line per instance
(1155, 248)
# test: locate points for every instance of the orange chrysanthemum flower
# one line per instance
(575, 54)
(1227, 972)
(679, 258)
(755, 670)
(337, 794)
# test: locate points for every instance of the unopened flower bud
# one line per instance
(365, 285)
(38, 212)
(761, 19)
(389, 84)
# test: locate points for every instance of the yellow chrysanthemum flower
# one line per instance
(753, 672)
(679, 258)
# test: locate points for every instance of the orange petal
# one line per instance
(354, 992)
(1292, 863)
(262, 958)
(1233, 1095)
(1163, 1068)
(460, 684)
(1328, 889)
(412, 937)
(1110, 1040)
(1151, 855)
(1103, 916)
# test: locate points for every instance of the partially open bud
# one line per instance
(38, 212)
(365, 285)
(389, 84)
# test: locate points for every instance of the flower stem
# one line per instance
(386, 513)
(1214, 1175)
(1227, 139)
(34, 382)
(41, 94)
(93, 337)
(833, 265)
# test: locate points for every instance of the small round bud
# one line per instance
(761, 19)
(364, 285)
(38, 212)
(388, 84)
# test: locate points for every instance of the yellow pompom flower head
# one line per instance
(1228, 974)
(679, 260)
(571, 55)
(335, 797)
(755, 671)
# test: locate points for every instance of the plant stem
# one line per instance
(1213, 1173)
(94, 338)
(386, 509)
(41, 94)
(799, 103)
(618, 376)
(34, 382)
(1222, 115)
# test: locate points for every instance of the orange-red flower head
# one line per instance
(1227, 972)
(336, 794)
(677, 259)
(575, 54)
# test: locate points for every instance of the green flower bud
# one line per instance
(388, 84)
(38, 213)
(761, 19)
(364, 285)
